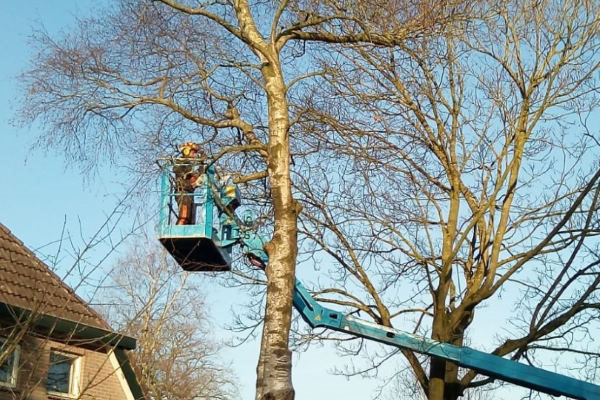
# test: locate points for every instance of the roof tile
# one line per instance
(28, 283)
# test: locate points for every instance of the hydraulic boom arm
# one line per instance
(488, 364)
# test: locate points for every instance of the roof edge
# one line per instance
(77, 330)
(129, 374)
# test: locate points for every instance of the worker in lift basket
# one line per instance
(187, 179)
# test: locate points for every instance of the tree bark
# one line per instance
(274, 380)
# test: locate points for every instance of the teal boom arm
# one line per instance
(487, 364)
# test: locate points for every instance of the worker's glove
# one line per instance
(191, 177)
(197, 181)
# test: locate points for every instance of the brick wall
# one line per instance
(99, 379)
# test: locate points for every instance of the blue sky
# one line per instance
(41, 193)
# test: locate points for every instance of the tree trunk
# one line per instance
(274, 377)
(444, 383)
(437, 369)
(443, 380)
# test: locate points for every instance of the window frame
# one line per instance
(15, 354)
(74, 374)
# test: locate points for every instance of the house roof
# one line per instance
(26, 282)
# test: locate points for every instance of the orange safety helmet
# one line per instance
(188, 147)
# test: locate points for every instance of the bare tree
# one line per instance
(142, 75)
(468, 173)
(152, 299)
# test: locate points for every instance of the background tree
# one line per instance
(153, 300)
(142, 75)
(466, 173)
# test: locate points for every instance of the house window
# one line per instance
(9, 367)
(63, 374)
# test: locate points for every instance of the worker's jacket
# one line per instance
(185, 177)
